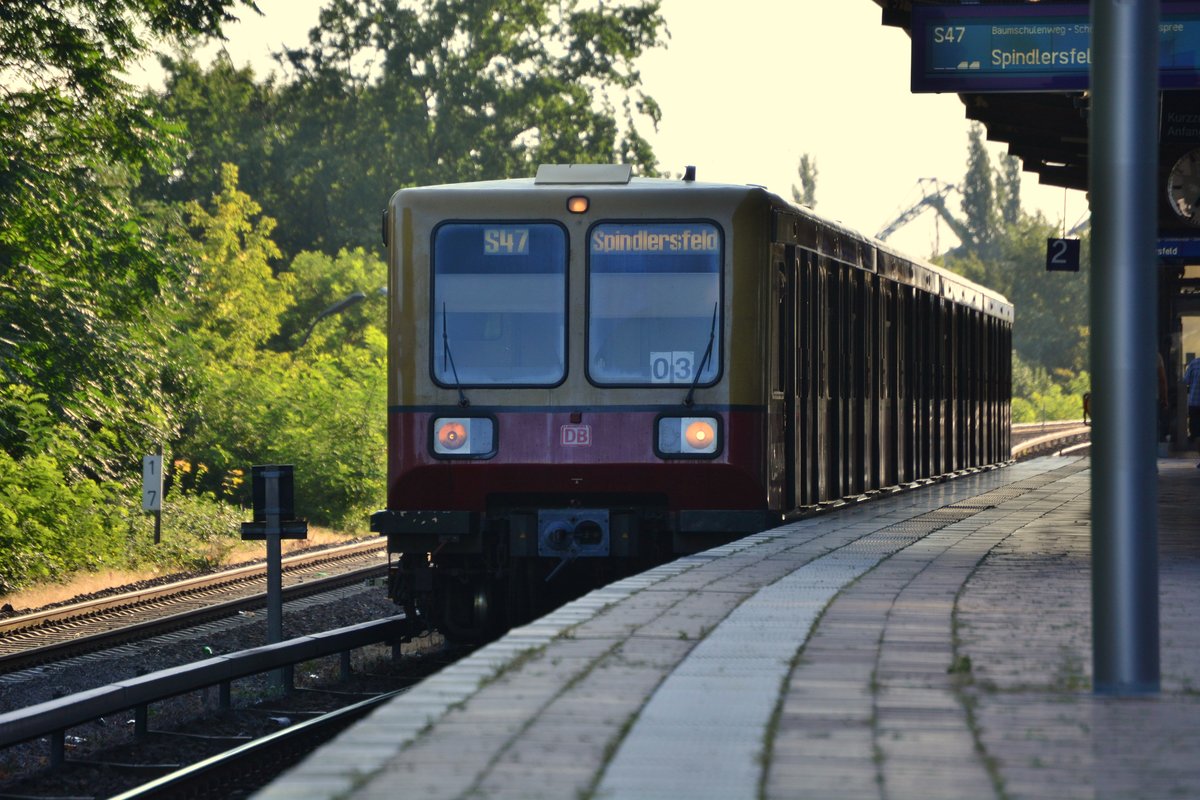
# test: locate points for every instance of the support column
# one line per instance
(1123, 159)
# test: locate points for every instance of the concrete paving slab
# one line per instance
(928, 644)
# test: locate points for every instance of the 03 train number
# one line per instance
(505, 241)
(672, 367)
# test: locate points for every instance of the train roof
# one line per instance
(885, 259)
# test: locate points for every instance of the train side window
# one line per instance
(498, 308)
(654, 298)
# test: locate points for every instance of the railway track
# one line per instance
(108, 756)
(227, 753)
(1031, 439)
(58, 633)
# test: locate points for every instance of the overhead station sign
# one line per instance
(1030, 48)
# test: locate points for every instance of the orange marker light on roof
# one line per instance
(577, 204)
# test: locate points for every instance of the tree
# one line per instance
(978, 195)
(80, 264)
(225, 116)
(1006, 252)
(232, 298)
(807, 194)
(1008, 189)
(390, 94)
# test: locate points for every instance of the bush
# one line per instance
(1039, 395)
(50, 527)
(198, 532)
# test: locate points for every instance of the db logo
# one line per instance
(576, 435)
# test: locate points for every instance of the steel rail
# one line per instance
(190, 585)
(54, 717)
(56, 651)
(252, 765)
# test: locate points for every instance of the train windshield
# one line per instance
(654, 291)
(499, 304)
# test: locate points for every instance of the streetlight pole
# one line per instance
(336, 308)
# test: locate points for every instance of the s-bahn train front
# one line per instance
(576, 386)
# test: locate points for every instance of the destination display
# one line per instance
(666, 239)
(1179, 250)
(1034, 48)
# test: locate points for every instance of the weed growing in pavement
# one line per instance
(521, 659)
(1070, 676)
(960, 665)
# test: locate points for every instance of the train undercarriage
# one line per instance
(478, 575)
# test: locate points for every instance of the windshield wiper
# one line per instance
(712, 336)
(447, 356)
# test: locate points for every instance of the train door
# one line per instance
(808, 329)
(906, 400)
(973, 365)
(778, 427)
(871, 383)
(851, 359)
(837, 369)
(889, 369)
(918, 324)
(992, 382)
(784, 388)
(860, 365)
(952, 424)
(937, 373)
(927, 327)
(984, 387)
(826, 440)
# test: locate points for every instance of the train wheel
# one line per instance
(469, 612)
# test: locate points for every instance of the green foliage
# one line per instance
(222, 115)
(143, 297)
(321, 407)
(1051, 328)
(1039, 395)
(333, 430)
(81, 265)
(1008, 189)
(198, 533)
(388, 95)
(51, 524)
(807, 193)
(232, 298)
(978, 195)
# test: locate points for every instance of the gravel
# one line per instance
(311, 615)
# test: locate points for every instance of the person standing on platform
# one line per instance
(1191, 379)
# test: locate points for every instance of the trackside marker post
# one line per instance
(152, 486)
(274, 519)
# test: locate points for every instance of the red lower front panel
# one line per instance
(594, 452)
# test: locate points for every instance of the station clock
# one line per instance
(1183, 188)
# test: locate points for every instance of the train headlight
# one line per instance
(464, 436)
(700, 435)
(451, 436)
(689, 436)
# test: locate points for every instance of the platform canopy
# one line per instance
(1047, 130)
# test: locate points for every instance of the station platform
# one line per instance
(934, 643)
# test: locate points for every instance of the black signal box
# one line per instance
(284, 506)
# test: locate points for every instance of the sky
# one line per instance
(746, 88)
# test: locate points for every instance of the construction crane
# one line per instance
(933, 195)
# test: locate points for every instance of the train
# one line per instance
(590, 373)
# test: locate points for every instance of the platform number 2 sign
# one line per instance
(1062, 255)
